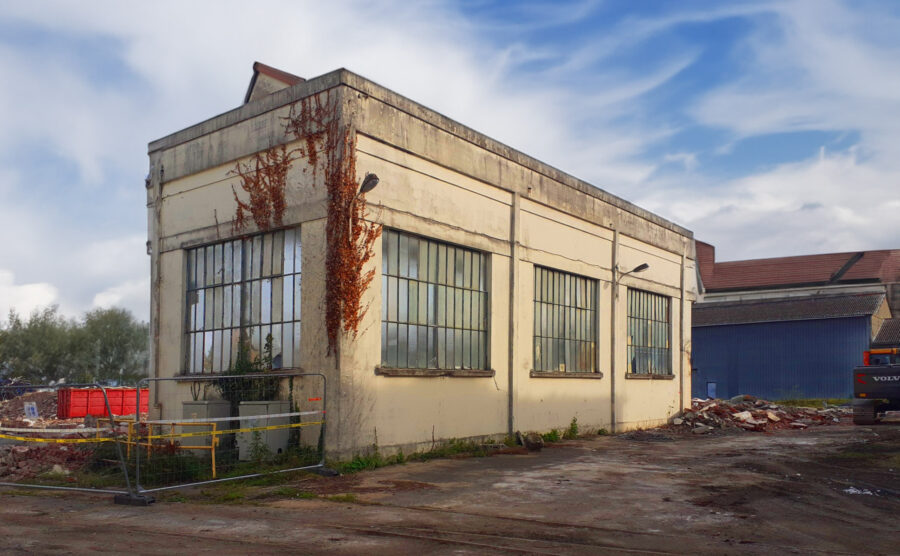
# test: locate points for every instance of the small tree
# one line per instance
(37, 350)
(110, 346)
(237, 390)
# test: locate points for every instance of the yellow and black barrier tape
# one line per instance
(159, 436)
(56, 440)
(230, 431)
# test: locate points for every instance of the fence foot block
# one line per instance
(325, 472)
(133, 499)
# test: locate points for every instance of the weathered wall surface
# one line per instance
(442, 181)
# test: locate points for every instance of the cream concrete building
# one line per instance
(504, 297)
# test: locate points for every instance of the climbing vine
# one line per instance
(264, 180)
(350, 238)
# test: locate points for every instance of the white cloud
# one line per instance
(24, 298)
(132, 295)
(809, 66)
(828, 203)
(688, 160)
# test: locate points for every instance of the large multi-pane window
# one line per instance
(565, 311)
(649, 333)
(243, 291)
(434, 304)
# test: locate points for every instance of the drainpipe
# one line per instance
(612, 332)
(154, 245)
(681, 333)
(513, 287)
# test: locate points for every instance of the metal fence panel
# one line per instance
(44, 446)
(229, 427)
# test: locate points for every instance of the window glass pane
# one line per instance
(277, 297)
(444, 263)
(422, 332)
(297, 285)
(404, 256)
(413, 296)
(297, 347)
(413, 258)
(412, 343)
(287, 345)
(265, 301)
(423, 303)
(277, 254)
(288, 254)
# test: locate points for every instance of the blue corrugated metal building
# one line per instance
(781, 348)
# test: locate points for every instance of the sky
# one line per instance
(768, 129)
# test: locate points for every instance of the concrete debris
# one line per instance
(752, 414)
(742, 416)
(532, 440)
(854, 490)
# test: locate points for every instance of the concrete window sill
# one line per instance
(634, 376)
(431, 373)
(558, 374)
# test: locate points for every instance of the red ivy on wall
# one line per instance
(350, 237)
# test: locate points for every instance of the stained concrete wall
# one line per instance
(446, 182)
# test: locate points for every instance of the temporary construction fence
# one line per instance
(38, 449)
(212, 428)
(228, 427)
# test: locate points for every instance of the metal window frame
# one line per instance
(668, 371)
(438, 282)
(241, 293)
(591, 319)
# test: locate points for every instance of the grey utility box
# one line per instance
(276, 440)
(214, 409)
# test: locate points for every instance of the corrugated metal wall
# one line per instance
(779, 360)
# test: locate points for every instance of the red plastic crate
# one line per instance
(79, 402)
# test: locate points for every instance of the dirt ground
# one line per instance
(824, 490)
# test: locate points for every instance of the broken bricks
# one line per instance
(752, 414)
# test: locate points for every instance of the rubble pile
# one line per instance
(25, 462)
(752, 414)
(18, 460)
(14, 409)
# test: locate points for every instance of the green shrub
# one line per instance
(552, 436)
(572, 431)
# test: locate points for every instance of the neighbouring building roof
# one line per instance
(806, 270)
(888, 335)
(266, 80)
(786, 309)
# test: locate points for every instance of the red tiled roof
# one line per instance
(278, 74)
(863, 266)
(786, 309)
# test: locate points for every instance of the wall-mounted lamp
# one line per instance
(368, 184)
(639, 268)
(617, 276)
